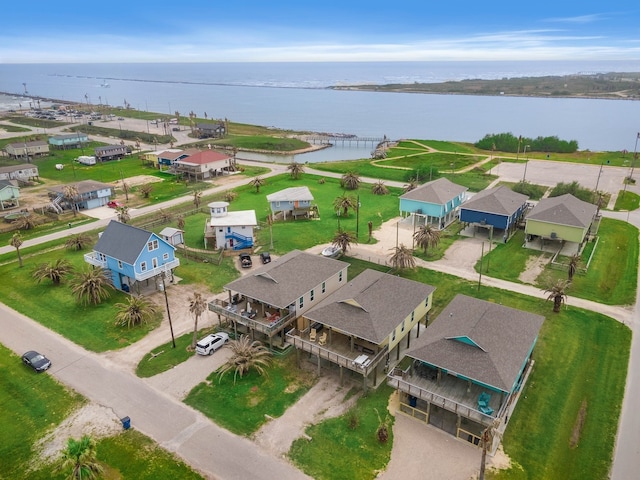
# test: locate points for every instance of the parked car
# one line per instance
(114, 204)
(176, 129)
(211, 343)
(245, 260)
(265, 257)
(36, 360)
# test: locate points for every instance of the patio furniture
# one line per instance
(483, 401)
(323, 338)
(313, 334)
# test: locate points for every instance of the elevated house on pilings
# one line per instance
(265, 303)
(468, 369)
(364, 325)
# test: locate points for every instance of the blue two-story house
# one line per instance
(497, 208)
(434, 203)
(132, 255)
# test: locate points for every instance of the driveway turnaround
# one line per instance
(215, 452)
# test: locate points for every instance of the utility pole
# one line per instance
(480, 277)
(635, 155)
(166, 300)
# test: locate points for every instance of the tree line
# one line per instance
(507, 142)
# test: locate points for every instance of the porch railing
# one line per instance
(395, 379)
(221, 307)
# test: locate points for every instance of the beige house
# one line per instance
(23, 172)
(204, 164)
(363, 325)
(265, 302)
(27, 150)
(561, 219)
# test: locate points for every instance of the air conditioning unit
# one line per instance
(554, 235)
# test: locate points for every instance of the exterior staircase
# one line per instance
(55, 204)
(240, 242)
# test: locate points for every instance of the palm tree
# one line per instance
(197, 306)
(197, 198)
(343, 203)
(180, 222)
(574, 261)
(412, 184)
(557, 293)
(350, 181)
(379, 188)
(70, 194)
(246, 354)
(53, 271)
(123, 214)
(295, 169)
(402, 258)
(230, 196)
(257, 182)
(136, 311)
(77, 242)
(26, 222)
(427, 237)
(343, 240)
(91, 286)
(80, 457)
(145, 190)
(16, 242)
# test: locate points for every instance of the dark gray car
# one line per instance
(36, 360)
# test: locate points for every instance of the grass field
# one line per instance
(242, 407)
(612, 274)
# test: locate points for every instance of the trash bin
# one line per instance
(126, 423)
(413, 401)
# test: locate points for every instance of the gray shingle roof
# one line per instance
(564, 210)
(500, 201)
(123, 242)
(291, 194)
(498, 339)
(438, 192)
(83, 186)
(284, 280)
(371, 305)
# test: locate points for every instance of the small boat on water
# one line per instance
(332, 252)
(104, 84)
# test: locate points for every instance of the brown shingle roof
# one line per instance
(371, 305)
(438, 192)
(479, 340)
(84, 186)
(500, 201)
(564, 210)
(284, 280)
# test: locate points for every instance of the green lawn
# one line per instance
(337, 451)
(242, 407)
(54, 306)
(627, 201)
(31, 405)
(447, 237)
(612, 274)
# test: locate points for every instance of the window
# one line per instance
(340, 276)
(413, 314)
(120, 264)
(311, 295)
(165, 256)
(426, 302)
(393, 338)
(143, 267)
(324, 287)
(403, 322)
(301, 302)
(152, 245)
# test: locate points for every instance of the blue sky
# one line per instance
(71, 31)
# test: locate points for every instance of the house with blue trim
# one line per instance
(293, 202)
(468, 369)
(229, 230)
(434, 203)
(133, 256)
(9, 195)
(498, 208)
(68, 140)
(91, 194)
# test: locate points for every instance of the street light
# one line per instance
(635, 155)
(526, 162)
(358, 216)
(166, 300)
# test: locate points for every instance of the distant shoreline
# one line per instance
(605, 86)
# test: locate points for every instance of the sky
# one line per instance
(71, 31)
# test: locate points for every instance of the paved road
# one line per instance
(178, 428)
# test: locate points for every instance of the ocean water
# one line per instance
(295, 96)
